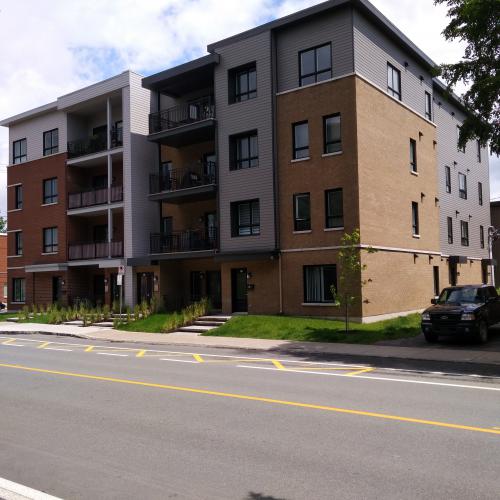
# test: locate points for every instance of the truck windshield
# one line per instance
(461, 296)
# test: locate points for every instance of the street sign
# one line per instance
(119, 280)
(121, 270)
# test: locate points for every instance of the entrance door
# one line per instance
(99, 289)
(56, 289)
(214, 290)
(144, 287)
(452, 266)
(239, 289)
(437, 290)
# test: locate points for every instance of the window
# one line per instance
(393, 81)
(50, 240)
(19, 151)
(244, 151)
(245, 218)
(318, 281)
(301, 212)
(449, 221)
(334, 209)
(243, 83)
(447, 173)
(332, 140)
(18, 290)
(300, 140)
(315, 64)
(481, 236)
(464, 233)
(50, 191)
(413, 155)
(428, 106)
(50, 142)
(414, 218)
(478, 146)
(458, 138)
(462, 186)
(18, 197)
(480, 192)
(18, 243)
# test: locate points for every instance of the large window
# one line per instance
(18, 197)
(480, 192)
(393, 81)
(318, 281)
(18, 243)
(315, 64)
(300, 140)
(50, 191)
(332, 140)
(449, 222)
(245, 218)
(301, 212)
(447, 173)
(50, 244)
(413, 155)
(18, 290)
(428, 106)
(50, 142)
(462, 186)
(481, 236)
(19, 151)
(414, 219)
(464, 233)
(244, 151)
(243, 83)
(334, 217)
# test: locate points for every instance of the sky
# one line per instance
(48, 52)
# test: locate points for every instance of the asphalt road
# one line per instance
(102, 421)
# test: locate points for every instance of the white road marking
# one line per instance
(9, 489)
(180, 360)
(112, 354)
(57, 349)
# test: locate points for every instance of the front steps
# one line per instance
(205, 323)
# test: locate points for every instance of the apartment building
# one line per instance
(71, 168)
(266, 150)
(3, 268)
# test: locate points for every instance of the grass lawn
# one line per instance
(317, 330)
(4, 316)
(152, 324)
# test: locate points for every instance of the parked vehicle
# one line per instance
(467, 310)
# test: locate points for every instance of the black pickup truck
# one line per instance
(467, 310)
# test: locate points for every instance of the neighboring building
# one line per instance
(281, 139)
(3, 268)
(495, 222)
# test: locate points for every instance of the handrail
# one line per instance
(183, 241)
(92, 197)
(200, 174)
(95, 250)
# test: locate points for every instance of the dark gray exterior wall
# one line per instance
(255, 114)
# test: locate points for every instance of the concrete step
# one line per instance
(196, 328)
(12, 320)
(215, 317)
(208, 323)
(76, 322)
(104, 324)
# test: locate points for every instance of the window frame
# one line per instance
(254, 227)
(396, 93)
(18, 243)
(18, 299)
(298, 221)
(462, 192)
(447, 178)
(52, 149)
(481, 236)
(464, 233)
(415, 223)
(329, 217)
(326, 144)
(53, 246)
(51, 198)
(18, 197)
(21, 157)
(413, 155)
(235, 94)
(480, 193)
(299, 149)
(449, 224)
(326, 293)
(315, 73)
(237, 163)
(428, 105)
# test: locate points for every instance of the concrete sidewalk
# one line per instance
(467, 355)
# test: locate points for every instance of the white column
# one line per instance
(109, 120)
(110, 230)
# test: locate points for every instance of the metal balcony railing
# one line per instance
(183, 241)
(201, 174)
(192, 112)
(95, 143)
(93, 197)
(95, 250)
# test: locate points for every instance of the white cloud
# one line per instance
(47, 52)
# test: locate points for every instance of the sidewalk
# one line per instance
(276, 346)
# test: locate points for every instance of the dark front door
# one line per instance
(239, 289)
(99, 289)
(437, 290)
(144, 287)
(56, 289)
(214, 290)
(453, 273)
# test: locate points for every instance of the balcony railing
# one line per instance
(182, 178)
(95, 250)
(95, 143)
(183, 241)
(94, 197)
(183, 114)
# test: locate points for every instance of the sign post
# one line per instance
(119, 282)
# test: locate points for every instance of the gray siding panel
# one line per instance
(334, 27)
(466, 163)
(255, 114)
(373, 50)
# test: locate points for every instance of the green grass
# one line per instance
(317, 330)
(151, 324)
(4, 316)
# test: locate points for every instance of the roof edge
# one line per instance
(31, 113)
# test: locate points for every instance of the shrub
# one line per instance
(137, 312)
(106, 312)
(144, 308)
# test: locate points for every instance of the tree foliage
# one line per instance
(3, 224)
(477, 23)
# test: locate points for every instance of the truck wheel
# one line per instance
(482, 335)
(431, 337)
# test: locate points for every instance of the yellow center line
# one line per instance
(257, 399)
(45, 344)
(198, 358)
(7, 342)
(358, 372)
(277, 364)
(141, 353)
(90, 348)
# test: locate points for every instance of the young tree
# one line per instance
(477, 23)
(3, 224)
(350, 276)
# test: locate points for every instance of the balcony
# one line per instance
(183, 241)
(192, 183)
(94, 197)
(95, 144)
(185, 124)
(95, 250)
